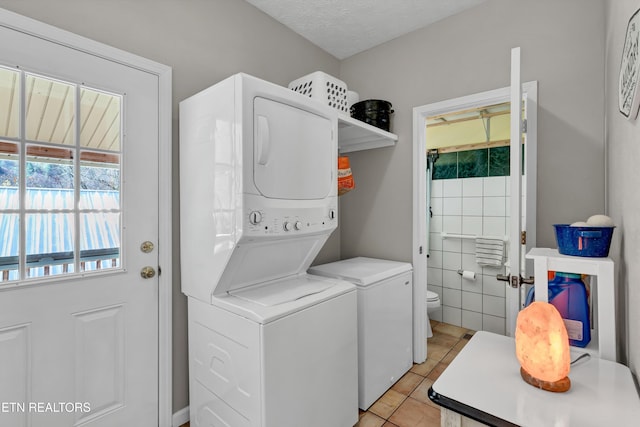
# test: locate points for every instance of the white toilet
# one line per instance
(433, 304)
(433, 301)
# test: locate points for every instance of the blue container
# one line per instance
(568, 294)
(583, 241)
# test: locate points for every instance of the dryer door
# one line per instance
(293, 151)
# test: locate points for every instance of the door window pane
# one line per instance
(9, 246)
(49, 241)
(9, 103)
(99, 240)
(9, 218)
(50, 110)
(9, 177)
(99, 181)
(99, 120)
(99, 205)
(49, 177)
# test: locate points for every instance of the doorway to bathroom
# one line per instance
(463, 191)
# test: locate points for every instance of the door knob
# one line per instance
(147, 272)
(516, 281)
(146, 247)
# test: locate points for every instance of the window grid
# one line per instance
(79, 214)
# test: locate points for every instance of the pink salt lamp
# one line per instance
(542, 347)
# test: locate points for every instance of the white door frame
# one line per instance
(55, 35)
(419, 250)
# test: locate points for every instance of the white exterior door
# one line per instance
(78, 322)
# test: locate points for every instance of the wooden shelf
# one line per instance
(355, 135)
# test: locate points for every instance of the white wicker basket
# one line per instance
(323, 87)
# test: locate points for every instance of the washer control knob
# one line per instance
(332, 214)
(297, 225)
(287, 226)
(255, 217)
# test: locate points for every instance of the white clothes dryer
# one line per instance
(385, 320)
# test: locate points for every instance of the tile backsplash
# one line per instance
(472, 206)
(477, 163)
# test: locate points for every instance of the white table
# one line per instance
(483, 383)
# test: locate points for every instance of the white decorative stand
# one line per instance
(603, 338)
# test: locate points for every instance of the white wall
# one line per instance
(203, 41)
(562, 47)
(623, 177)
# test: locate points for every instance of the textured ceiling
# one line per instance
(346, 27)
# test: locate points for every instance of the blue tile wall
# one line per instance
(499, 161)
(446, 167)
(474, 163)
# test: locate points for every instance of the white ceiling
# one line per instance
(346, 27)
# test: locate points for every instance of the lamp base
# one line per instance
(559, 386)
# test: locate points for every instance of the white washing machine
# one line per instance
(280, 354)
(385, 320)
(269, 344)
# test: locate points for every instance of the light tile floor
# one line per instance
(406, 403)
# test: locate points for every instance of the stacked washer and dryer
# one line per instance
(269, 344)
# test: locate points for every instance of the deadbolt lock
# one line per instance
(146, 247)
(147, 272)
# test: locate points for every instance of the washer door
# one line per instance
(292, 151)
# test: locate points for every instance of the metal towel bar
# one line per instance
(471, 236)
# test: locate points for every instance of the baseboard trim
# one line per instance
(181, 417)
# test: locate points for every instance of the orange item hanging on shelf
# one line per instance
(345, 177)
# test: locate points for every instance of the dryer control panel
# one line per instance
(285, 221)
